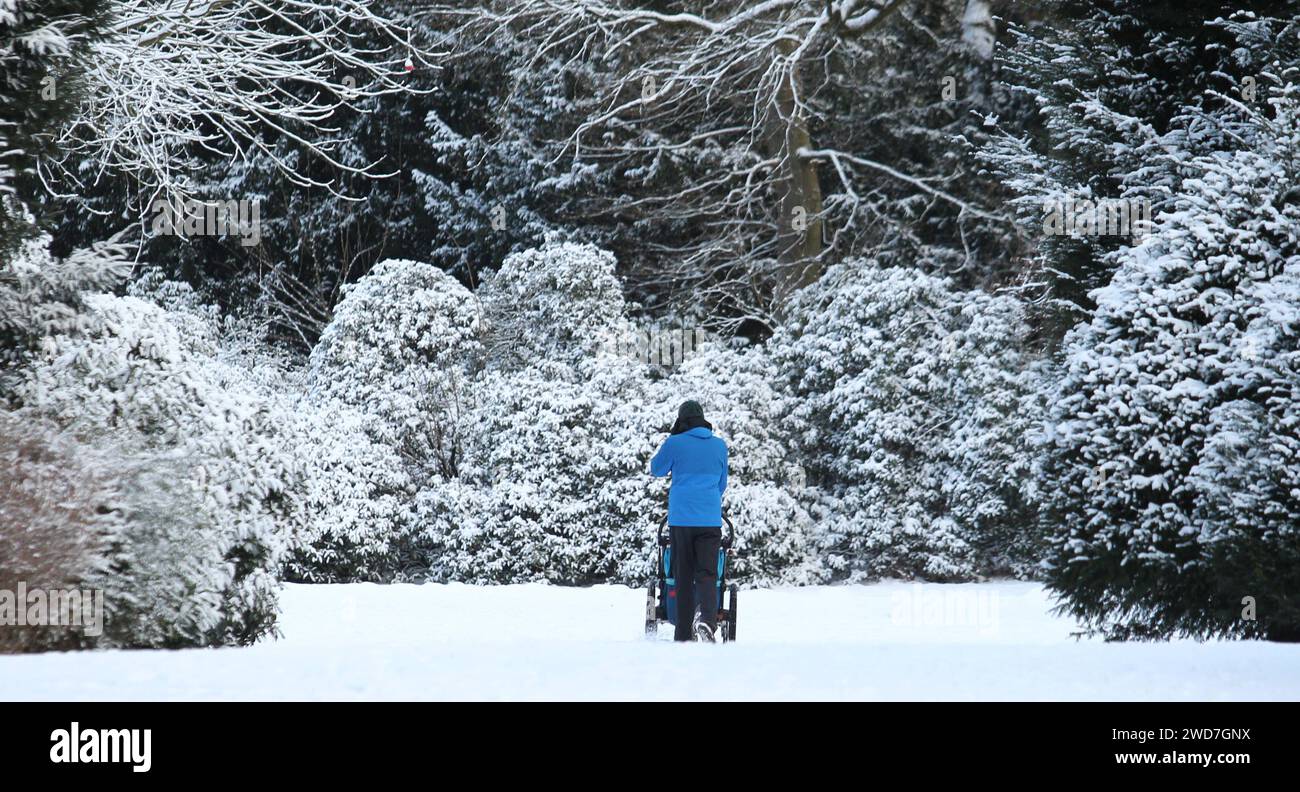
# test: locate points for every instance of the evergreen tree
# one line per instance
(1110, 79)
(725, 169)
(1173, 454)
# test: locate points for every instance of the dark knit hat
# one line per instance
(690, 409)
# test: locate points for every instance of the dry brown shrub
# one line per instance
(55, 496)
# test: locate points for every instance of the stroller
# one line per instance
(661, 593)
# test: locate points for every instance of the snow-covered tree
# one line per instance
(726, 133)
(488, 175)
(401, 347)
(553, 427)
(198, 562)
(912, 402)
(1174, 451)
(1110, 81)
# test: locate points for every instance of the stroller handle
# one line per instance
(726, 538)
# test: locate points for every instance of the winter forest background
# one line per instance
(485, 250)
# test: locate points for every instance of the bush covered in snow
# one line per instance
(351, 518)
(556, 304)
(556, 469)
(55, 499)
(41, 295)
(384, 413)
(401, 346)
(194, 553)
(1174, 466)
(912, 403)
(552, 481)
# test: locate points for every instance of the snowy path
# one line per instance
(886, 641)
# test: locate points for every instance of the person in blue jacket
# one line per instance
(697, 462)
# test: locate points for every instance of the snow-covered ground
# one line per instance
(887, 641)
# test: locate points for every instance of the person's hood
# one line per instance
(699, 431)
(684, 425)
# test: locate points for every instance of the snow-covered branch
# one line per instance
(737, 85)
(177, 79)
(839, 157)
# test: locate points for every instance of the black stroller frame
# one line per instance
(661, 592)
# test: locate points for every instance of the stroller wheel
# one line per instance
(651, 620)
(730, 633)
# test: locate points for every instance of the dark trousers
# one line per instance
(695, 567)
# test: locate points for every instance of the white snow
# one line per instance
(886, 641)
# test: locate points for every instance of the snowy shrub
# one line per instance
(557, 469)
(347, 510)
(93, 517)
(352, 504)
(912, 404)
(41, 295)
(53, 516)
(1173, 471)
(400, 348)
(196, 563)
(551, 483)
(172, 574)
(388, 390)
(556, 303)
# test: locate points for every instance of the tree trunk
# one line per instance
(800, 224)
(978, 30)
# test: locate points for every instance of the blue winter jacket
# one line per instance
(698, 462)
